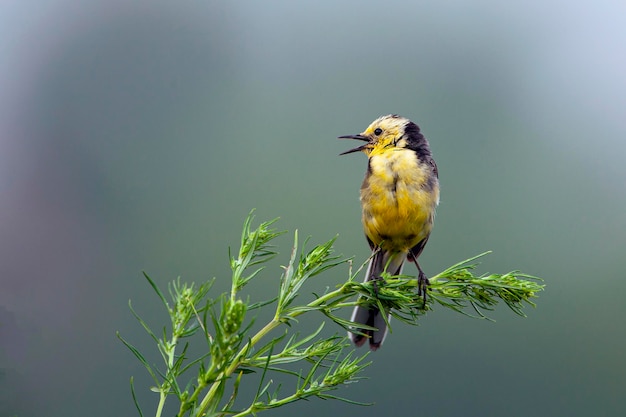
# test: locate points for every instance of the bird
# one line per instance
(398, 196)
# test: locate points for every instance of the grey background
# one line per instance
(138, 135)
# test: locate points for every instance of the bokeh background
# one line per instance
(138, 135)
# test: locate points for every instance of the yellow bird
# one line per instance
(399, 195)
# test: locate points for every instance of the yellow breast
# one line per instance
(399, 196)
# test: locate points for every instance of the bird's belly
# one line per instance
(398, 202)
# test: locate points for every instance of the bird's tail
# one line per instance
(372, 316)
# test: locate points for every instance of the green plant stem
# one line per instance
(245, 412)
(321, 300)
(252, 409)
(162, 397)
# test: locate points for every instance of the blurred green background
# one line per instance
(138, 135)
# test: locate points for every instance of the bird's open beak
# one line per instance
(357, 137)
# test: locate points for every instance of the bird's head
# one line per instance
(387, 133)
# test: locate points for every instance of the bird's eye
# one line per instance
(378, 131)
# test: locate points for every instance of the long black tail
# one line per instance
(372, 316)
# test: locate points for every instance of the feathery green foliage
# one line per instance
(234, 349)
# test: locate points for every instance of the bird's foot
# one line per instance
(422, 286)
(375, 284)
